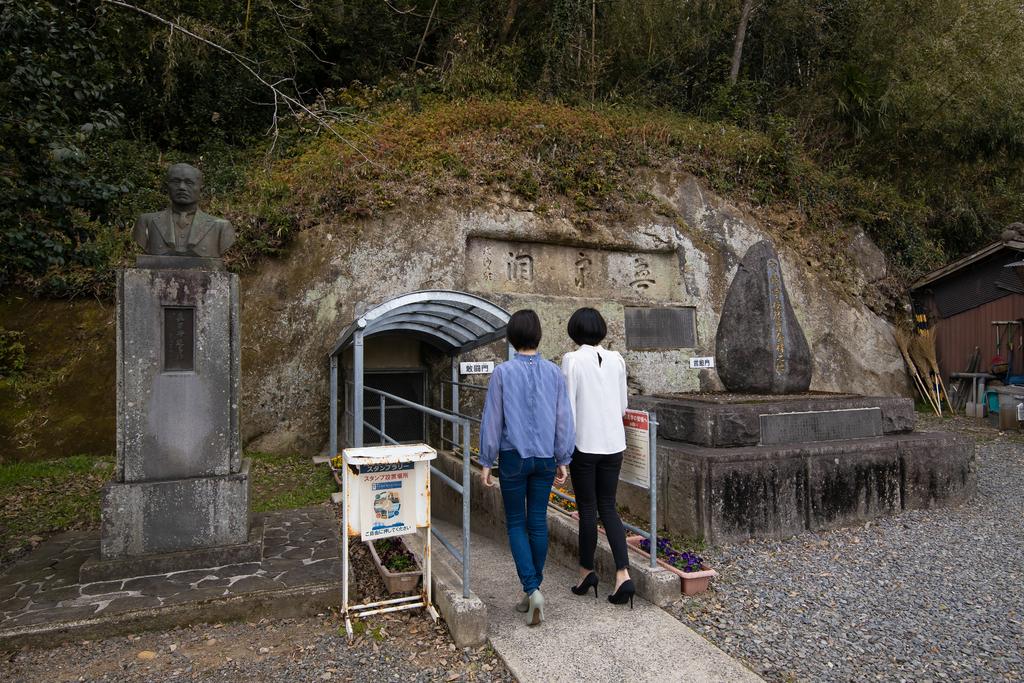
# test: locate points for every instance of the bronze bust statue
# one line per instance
(182, 229)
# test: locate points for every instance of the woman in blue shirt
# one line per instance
(528, 422)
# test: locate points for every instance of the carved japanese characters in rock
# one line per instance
(182, 229)
(760, 346)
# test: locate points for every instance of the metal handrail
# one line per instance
(478, 387)
(463, 424)
(406, 402)
(469, 417)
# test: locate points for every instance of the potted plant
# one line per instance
(693, 572)
(562, 504)
(397, 565)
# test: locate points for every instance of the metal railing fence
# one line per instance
(460, 424)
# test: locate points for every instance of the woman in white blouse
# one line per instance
(596, 381)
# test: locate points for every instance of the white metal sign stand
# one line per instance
(385, 492)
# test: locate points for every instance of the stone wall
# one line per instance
(683, 254)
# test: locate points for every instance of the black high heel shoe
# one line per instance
(584, 587)
(624, 593)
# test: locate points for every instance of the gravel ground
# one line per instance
(399, 648)
(923, 596)
(404, 646)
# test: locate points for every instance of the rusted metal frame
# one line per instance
(380, 603)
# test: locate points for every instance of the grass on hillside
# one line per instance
(39, 499)
(586, 164)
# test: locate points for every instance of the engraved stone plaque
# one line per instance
(820, 425)
(179, 339)
(660, 328)
(510, 267)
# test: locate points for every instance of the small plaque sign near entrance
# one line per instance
(701, 363)
(820, 425)
(476, 368)
(179, 338)
(636, 461)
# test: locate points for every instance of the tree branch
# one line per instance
(293, 103)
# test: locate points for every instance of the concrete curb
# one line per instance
(466, 617)
(293, 602)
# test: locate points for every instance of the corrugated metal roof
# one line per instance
(455, 322)
(973, 286)
(1013, 247)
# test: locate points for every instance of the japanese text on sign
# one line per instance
(636, 461)
(476, 368)
(388, 500)
(701, 362)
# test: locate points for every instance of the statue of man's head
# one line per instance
(184, 185)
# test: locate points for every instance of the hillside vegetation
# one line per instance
(905, 119)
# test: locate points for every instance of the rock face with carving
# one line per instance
(760, 346)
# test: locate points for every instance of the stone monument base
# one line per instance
(729, 470)
(179, 520)
(298, 575)
(97, 569)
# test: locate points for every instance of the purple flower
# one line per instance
(684, 560)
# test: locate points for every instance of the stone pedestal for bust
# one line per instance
(180, 498)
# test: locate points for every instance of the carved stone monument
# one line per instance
(180, 497)
(760, 347)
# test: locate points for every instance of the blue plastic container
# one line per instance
(992, 401)
(1015, 379)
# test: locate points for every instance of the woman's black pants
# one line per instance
(594, 480)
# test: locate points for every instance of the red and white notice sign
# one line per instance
(636, 461)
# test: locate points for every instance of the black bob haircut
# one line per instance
(586, 326)
(523, 330)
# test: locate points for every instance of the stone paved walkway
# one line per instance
(584, 639)
(41, 598)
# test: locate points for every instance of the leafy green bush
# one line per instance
(55, 107)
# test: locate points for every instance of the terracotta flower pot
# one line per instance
(397, 582)
(693, 583)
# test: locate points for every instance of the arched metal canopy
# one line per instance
(454, 322)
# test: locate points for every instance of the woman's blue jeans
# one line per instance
(525, 489)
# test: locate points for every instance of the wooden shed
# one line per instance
(964, 298)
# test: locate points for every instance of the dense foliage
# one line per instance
(912, 111)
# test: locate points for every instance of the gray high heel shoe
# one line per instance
(535, 609)
(524, 605)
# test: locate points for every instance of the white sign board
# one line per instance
(702, 362)
(387, 490)
(388, 500)
(476, 368)
(636, 461)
